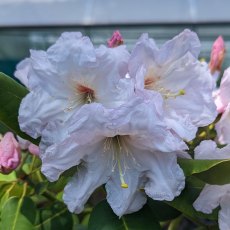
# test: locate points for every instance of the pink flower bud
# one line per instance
(115, 40)
(217, 55)
(33, 149)
(25, 144)
(9, 153)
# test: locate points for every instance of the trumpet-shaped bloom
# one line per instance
(214, 195)
(10, 155)
(184, 83)
(128, 148)
(69, 74)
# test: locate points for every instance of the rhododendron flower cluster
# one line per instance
(123, 117)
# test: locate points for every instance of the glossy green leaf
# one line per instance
(184, 202)
(163, 211)
(103, 218)
(18, 214)
(210, 171)
(11, 94)
(3, 128)
(53, 218)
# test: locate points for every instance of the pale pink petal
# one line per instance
(34, 149)
(223, 127)
(222, 97)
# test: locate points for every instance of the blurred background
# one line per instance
(35, 24)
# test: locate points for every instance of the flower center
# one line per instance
(87, 94)
(152, 82)
(83, 95)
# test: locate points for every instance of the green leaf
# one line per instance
(210, 171)
(184, 202)
(53, 218)
(11, 94)
(10, 190)
(162, 211)
(103, 218)
(10, 177)
(18, 214)
(3, 128)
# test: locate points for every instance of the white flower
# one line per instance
(184, 83)
(128, 148)
(214, 195)
(69, 74)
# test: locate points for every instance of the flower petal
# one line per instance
(181, 125)
(37, 109)
(208, 150)
(223, 127)
(210, 197)
(22, 71)
(94, 171)
(55, 70)
(187, 40)
(59, 157)
(222, 98)
(165, 179)
(189, 74)
(224, 213)
(125, 200)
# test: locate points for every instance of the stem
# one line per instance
(32, 164)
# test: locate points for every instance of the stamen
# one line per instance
(181, 92)
(123, 184)
(118, 146)
(152, 82)
(89, 94)
(82, 95)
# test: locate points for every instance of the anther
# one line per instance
(181, 92)
(123, 183)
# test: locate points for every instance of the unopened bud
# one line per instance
(10, 155)
(115, 40)
(217, 55)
